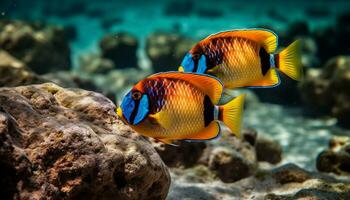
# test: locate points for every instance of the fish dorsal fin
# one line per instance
(207, 133)
(210, 85)
(264, 37)
(271, 79)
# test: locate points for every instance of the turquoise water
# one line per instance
(88, 21)
(301, 116)
(144, 17)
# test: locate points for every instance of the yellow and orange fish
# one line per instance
(179, 106)
(244, 58)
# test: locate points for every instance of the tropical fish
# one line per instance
(179, 106)
(244, 58)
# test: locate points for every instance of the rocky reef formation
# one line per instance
(228, 159)
(95, 64)
(245, 169)
(295, 183)
(61, 143)
(42, 48)
(117, 51)
(231, 159)
(14, 73)
(186, 154)
(166, 50)
(327, 90)
(336, 158)
(288, 182)
(319, 46)
(120, 48)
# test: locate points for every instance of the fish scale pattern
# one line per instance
(181, 107)
(241, 62)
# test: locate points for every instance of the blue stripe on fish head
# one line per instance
(202, 65)
(128, 106)
(135, 109)
(188, 63)
(143, 110)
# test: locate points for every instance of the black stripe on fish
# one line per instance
(215, 55)
(264, 60)
(134, 112)
(208, 110)
(277, 60)
(195, 61)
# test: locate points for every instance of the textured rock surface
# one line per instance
(166, 50)
(327, 90)
(268, 150)
(69, 79)
(119, 81)
(121, 49)
(297, 184)
(186, 154)
(42, 48)
(290, 173)
(60, 143)
(94, 64)
(14, 73)
(229, 158)
(229, 165)
(336, 158)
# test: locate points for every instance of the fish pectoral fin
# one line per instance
(271, 79)
(167, 141)
(213, 70)
(209, 132)
(227, 96)
(160, 118)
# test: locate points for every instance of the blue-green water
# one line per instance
(144, 17)
(301, 116)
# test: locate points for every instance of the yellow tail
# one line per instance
(289, 61)
(231, 114)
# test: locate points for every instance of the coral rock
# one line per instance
(94, 64)
(290, 173)
(231, 165)
(328, 90)
(166, 50)
(336, 158)
(15, 73)
(313, 190)
(42, 48)
(186, 154)
(121, 49)
(58, 143)
(268, 150)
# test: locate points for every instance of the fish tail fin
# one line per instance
(288, 61)
(231, 114)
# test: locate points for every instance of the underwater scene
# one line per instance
(175, 99)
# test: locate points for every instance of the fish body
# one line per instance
(243, 58)
(180, 106)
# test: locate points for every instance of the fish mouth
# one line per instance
(120, 114)
(181, 69)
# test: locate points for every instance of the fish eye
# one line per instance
(196, 56)
(136, 95)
